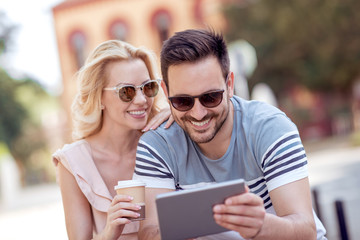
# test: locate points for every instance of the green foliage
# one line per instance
(22, 105)
(311, 43)
(12, 112)
(6, 32)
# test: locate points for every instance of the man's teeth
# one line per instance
(200, 123)
(137, 112)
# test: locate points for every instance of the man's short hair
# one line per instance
(191, 46)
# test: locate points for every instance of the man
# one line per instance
(219, 137)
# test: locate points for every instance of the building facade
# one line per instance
(81, 25)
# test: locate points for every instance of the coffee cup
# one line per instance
(135, 189)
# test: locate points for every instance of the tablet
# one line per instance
(188, 213)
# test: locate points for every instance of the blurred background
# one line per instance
(300, 56)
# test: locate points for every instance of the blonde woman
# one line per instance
(119, 97)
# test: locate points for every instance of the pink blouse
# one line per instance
(76, 157)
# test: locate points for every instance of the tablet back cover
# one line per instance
(188, 213)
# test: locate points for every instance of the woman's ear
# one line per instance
(163, 85)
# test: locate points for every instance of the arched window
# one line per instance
(161, 21)
(118, 30)
(77, 45)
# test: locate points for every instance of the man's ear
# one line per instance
(163, 85)
(230, 84)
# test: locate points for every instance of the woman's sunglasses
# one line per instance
(209, 100)
(128, 92)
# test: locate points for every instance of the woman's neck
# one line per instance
(116, 141)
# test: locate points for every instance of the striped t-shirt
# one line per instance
(265, 150)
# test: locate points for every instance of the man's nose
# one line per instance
(198, 111)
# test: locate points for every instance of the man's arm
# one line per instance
(295, 219)
(292, 203)
(149, 228)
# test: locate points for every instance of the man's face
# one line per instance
(193, 79)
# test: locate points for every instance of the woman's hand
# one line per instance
(159, 118)
(120, 212)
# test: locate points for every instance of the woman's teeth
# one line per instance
(137, 112)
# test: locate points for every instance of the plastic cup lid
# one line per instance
(129, 183)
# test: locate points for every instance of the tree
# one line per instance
(311, 43)
(6, 32)
(12, 112)
(22, 103)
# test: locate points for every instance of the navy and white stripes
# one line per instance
(283, 156)
(149, 163)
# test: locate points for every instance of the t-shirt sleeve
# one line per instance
(151, 166)
(280, 150)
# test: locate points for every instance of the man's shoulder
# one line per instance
(255, 107)
(261, 119)
(172, 134)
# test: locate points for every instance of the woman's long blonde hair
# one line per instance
(86, 107)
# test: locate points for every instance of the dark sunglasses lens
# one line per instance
(211, 100)
(127, 93)
(182, 103)
(151, 89)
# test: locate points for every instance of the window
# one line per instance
(77, 45)
(118, 30)
(161, 22)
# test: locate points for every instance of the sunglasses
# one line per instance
(208, 100)
(128, 92)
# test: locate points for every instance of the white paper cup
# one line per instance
(135, 189)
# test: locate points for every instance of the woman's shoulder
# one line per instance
(74, 146)
(70, 151)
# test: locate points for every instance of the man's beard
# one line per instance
(199, 136)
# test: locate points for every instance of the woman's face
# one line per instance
(133, 114)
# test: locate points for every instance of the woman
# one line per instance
(119, 92)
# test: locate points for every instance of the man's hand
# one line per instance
(242, 213)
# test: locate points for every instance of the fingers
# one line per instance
(243, 213)
(169, 122)
(121, 198)
(247, 232)
(123, 215)
(158, 119)
(121, 207)
(245, 198)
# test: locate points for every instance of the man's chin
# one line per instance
(201, 137)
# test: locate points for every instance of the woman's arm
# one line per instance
(77, 209)
(78, 216)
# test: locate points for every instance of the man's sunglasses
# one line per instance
(209, 100)
(128, 92)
